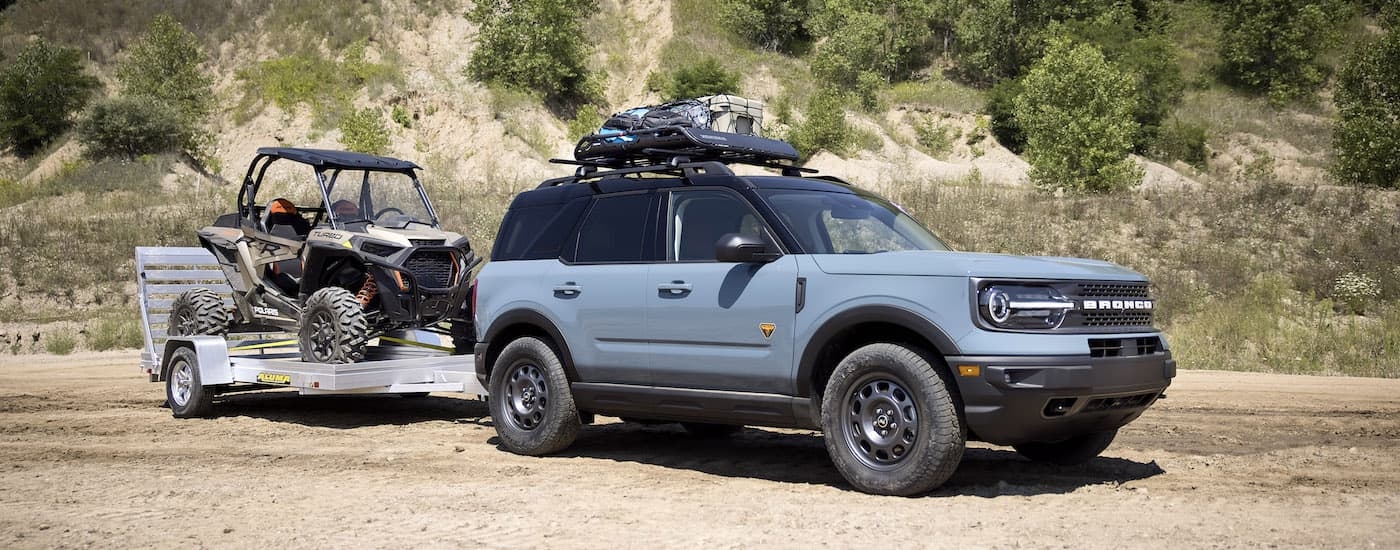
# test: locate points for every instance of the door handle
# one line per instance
(674, 288)
(568, 289)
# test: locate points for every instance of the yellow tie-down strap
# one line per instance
(403, 342)
(265, 345)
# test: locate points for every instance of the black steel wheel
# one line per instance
(333, 327)
(890, 421)
(1075, 450)
(197, 312)
(531, 404)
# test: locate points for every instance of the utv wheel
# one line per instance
(184, 393)
(710, 430)
(197, 312)
(890, 423)
(333, 327)
(1075, 450)
(531, 403)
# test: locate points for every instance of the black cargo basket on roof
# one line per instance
(654, 145)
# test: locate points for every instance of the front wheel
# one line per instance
(1075, 450)
(890, 422)
(184, 392)
(333, 327)
(531, 403)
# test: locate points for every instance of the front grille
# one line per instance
(1123, 347)
(1113, 403)
(1112, 290)
(431, 269)
(425, 242)
(1115, 319)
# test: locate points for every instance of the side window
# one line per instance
(615, 229)
(537, 232)
(697, 219)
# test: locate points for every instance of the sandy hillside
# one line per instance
(1229, 460)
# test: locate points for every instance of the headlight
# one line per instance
(1023, 306)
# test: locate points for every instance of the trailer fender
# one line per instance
(211, 353)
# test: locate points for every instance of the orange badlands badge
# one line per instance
(767, 329)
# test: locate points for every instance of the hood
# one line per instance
(402, 236)
(972, 264)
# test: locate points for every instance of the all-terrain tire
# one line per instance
(333, 327)
(197, 312)
(1075, 450)
(530, 400)
(890, 421)
(716, 431)
(184, 393)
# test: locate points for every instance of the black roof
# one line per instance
(325, 158)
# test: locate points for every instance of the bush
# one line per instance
(587, 120)
(114, 333)
(868, 45)
(824, 127)
(1366, 135)
(934, 138)
(772, 25)
(534, 45)
(1001, 108)
(128, 127)
(164, 66)
(39, 92)
(364, 131)
(1077, 112)
(1272, 46)
(1356, 291)
(60, 344)
(400, 116)
(1182, 141)
(707, 77)
(310, 79)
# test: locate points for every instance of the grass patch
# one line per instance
(115, 331)
(60, 344)
(936, 93)
(327, 86)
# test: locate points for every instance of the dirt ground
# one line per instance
(88, 458)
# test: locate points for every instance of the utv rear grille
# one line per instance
(431, 269)
(425, 242)
(1126, 402)
(1113, 290)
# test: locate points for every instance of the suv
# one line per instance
(675, 290)
(359, 253)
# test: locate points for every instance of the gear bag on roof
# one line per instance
(726, 113)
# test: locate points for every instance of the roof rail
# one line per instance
(676, 166)
(656, 146)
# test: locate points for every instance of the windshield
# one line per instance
(386, 199)
(838, 223)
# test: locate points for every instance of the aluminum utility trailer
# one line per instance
(200, 366)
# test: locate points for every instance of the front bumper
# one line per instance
(1019, 399)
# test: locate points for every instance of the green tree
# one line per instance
(39, 92)
(364, 131)
(164, 66)
(1077, 113)
(707, 77)
(130, 126)
(534, 45)
(772, 25)
(1366, 135)
(870, 43)
(824, 126)
(1272, 46)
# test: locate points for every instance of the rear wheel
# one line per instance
(197, 312)
(184, 392)
(1075, 450)
(333, 327)
(531, 403)
(890, 423)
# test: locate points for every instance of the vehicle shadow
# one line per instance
(350, 411)
(802, 458)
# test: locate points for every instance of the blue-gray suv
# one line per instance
(664, 287)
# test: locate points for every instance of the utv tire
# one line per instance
(530, 400)
(333, 327)
(1075, 450)
(186, 395)
(890, 421)
(715, 431)
(197, 312)
(463, 337)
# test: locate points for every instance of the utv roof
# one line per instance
(325, 158)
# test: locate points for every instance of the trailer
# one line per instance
(197, 368)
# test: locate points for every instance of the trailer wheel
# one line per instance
(333, 327)
(197, 312)
(184, 392)
(531, 404)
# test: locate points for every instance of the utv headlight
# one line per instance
(1023, 306)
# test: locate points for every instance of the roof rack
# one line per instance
(653, 146)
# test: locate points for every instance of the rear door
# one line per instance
(712, 325)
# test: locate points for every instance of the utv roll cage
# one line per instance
(321, 161)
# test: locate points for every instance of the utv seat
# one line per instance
(282, 213)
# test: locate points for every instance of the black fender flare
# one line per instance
(930, 331)
(535, 319)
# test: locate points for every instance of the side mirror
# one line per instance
(734, 247)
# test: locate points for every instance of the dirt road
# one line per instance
(88, 458)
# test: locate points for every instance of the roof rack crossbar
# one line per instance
(685, 170)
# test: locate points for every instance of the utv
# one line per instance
(356, 255)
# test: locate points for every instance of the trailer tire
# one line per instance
(530, 400)
(184, 392)
(333, 327)
(197, 312)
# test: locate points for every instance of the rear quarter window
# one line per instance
(537, 232)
